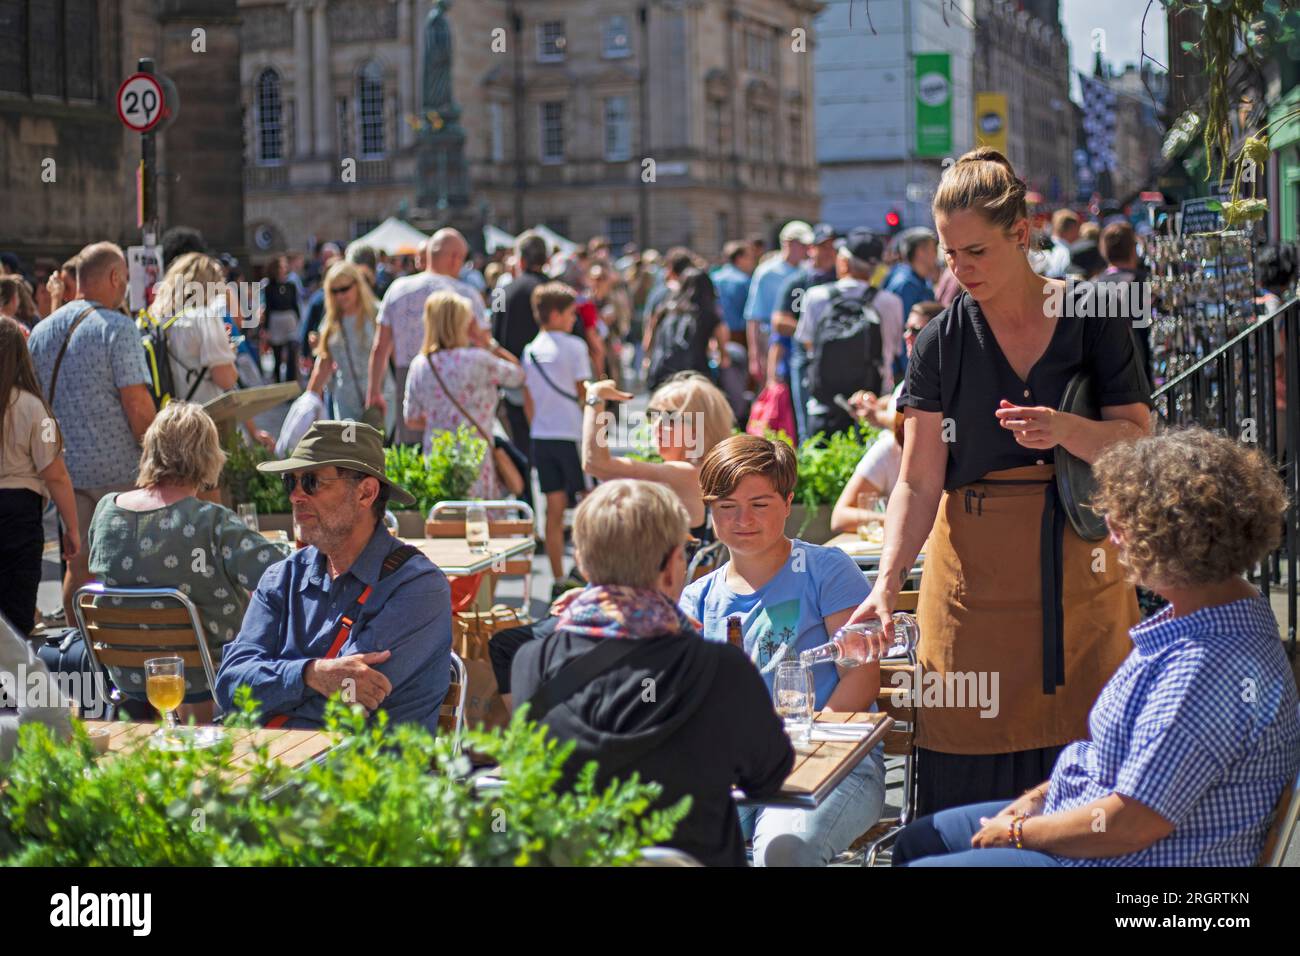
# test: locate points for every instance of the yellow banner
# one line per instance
(991, 120)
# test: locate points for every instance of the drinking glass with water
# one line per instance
(792, 690)
(476, 529)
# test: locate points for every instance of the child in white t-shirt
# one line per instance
(556, 363)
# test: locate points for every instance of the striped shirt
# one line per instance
(1199, 724)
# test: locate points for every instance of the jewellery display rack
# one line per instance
(1202, 294)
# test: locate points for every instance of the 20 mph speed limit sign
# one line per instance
(140, 102)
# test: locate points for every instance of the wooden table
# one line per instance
(453, 557)
(867, 553)
(822, 765)
(293, 748)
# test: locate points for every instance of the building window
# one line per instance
(559, 225)
(553, 132)
(362, 226)
(759, 47)
(48, 48)
(370, 109)
(619, 230)
(496, 132)
(719, 128)
(550, 41)
(723, 226)
(761, 144)
(616, 42)
(270, 131)
(618, 129)
(796, 140)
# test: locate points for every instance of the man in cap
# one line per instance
(765, 287)
(819, 269)
(355, 611)
(856, 261)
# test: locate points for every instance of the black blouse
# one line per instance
(957, 368)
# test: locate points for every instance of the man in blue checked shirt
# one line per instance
(355, 612)
(1197, 735)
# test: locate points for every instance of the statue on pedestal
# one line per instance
(440, 146)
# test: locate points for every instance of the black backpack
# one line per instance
(673, 348)
(847, 348)
(162, 384)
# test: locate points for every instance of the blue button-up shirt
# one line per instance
(1200, 725)
(732, 285)
(294, 616)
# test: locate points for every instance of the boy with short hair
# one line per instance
(556, 364)
(790, 596)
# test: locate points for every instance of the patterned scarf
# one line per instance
(612, 610)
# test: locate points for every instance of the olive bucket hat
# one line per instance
(352, 445)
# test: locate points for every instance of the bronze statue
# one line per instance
(437, 96)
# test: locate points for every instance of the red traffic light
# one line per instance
(892, 219)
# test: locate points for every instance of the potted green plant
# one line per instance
(445, 474)
(825, 467)
(372, 802)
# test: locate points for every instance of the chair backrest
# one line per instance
(1284, 825)
(507, 518)
(706, 559)
(451, 715)
(119, 636)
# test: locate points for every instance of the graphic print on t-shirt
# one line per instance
(771, 634)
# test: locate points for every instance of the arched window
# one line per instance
(370, 109)
(270, 134)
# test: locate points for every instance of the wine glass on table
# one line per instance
(165, 687)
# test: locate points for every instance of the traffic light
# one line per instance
(893, 221)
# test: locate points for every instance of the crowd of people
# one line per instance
(938, 338)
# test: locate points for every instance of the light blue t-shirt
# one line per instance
(786, 615)
(765, 290)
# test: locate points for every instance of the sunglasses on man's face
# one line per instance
(340, 289)
(310, 482)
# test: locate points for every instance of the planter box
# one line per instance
(810, 524)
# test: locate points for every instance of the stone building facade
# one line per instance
(1028, 59)
(68, 165)
(658, 121)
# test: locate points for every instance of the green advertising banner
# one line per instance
(933, 73)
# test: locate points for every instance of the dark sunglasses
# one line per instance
(310, 482)
(340, 289)
(690, 542)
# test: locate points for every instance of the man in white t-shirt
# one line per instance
(401, 316)
(856, 260)
(556, 363)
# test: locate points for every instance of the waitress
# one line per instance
(1013, 603)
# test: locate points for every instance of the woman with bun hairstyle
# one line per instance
(1022, 621)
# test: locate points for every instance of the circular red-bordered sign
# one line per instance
(140, 102)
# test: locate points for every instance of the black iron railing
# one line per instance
(1241, 389)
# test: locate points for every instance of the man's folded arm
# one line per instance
(413, 623)
(251, 658)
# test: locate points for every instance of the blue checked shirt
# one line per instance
(1199, 724)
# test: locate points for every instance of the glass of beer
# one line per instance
(165, 687)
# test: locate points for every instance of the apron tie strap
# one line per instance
(1051, 549)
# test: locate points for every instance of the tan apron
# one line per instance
(981, 614)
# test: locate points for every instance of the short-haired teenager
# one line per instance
(790, 596)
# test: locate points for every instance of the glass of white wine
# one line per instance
(165, 687)
(792, 690)
(871, 517)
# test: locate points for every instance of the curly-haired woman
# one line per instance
(1195, 737)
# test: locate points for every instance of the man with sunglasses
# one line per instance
(352, 612)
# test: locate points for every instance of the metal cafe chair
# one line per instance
(128, 636)
(447, 520)
(1284, 825)
(451, 715)
(666, 856)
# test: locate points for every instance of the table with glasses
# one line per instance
(455, 559)
(293, 748)
(822, 764)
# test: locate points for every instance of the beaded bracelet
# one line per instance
(1018, 830)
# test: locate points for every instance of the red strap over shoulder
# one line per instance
(345, 630)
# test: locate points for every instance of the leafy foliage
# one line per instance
(826, 464)
(445, 474)
(247, 484)
(373, 802)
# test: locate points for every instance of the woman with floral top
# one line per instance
(162, 535)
